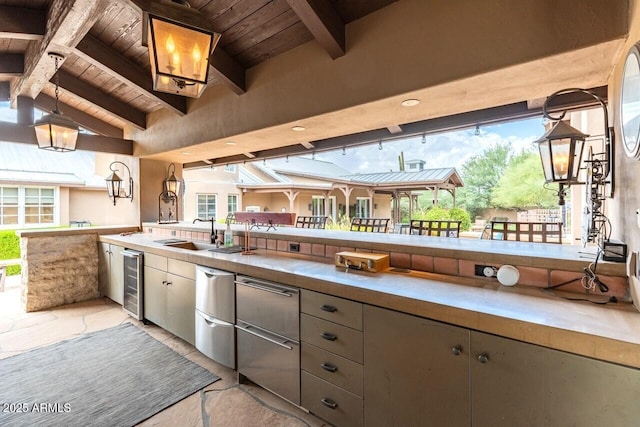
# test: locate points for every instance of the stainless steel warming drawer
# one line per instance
(268, 335)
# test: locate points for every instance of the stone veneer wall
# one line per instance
(58, 270)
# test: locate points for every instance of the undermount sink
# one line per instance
(184, 244)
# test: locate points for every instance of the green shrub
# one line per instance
(438, 213)
(10, 249)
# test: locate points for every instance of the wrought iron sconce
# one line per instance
(561, 149)
(171, 184)
(115, 188)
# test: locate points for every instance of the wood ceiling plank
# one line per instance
(214, 9)
(350, 10)
(82, 118)
(109, 61)
(273, 46)
(264, 15)
(22, 23)
(322, 20)
(11, 64)
(70, 20)
(236, 14)
(259, 34)
(102, 100)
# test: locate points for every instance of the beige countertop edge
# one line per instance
(111, 229)
(610, 333)
(550, 256)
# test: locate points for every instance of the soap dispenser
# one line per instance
(228, 235)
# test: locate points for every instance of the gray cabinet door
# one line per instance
(416, 371)
(116, 279)
(181, 307)
(528, 385)
(155, 296)
(104, 268)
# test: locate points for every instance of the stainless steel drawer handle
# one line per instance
(283, 293)
(483, 358)
(329, 403)
(328, 367)
(329, 337)
(329, 308)
(271, 340)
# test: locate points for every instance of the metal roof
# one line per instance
(432, 176)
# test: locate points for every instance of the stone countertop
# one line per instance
(526, 254)
(53, 232)
(610, 333)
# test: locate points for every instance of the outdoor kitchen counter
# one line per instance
(610, 333)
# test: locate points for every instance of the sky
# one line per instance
(451, 149)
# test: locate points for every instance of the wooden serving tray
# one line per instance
(363, 261)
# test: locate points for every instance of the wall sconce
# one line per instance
(562, 146)
(114, 184)
(180, 43)
(171, 184)
(54, 131)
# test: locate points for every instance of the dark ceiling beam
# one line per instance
(4, 91)
(24, 134)
(87, 121)
(22, 23)
(73, 19)
(501, 114)
(102, 100)
(11, 64)
(223, 67)
(117, 66)
(322, 20)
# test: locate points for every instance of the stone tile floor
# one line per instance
(223, 403)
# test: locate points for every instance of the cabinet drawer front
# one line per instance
(155, 261)
(334, 309)
(333, 368)
(181, 268)
(319, 396)
(330, 336)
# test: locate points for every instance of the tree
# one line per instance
(522, 185)
(481, 174)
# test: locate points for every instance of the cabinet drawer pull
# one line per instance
(329, 337)
(329, 403)
(483, 358)
(456, 350)
(329, 308)
(328, 367)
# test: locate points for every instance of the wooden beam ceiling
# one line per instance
(113, 63)
(11, 64)
(322, 20)
(87, 121)
(102, 101)
(74, 19)
(22, 23)
(24, 134)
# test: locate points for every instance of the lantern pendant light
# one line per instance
(180, 43)
(54, 131)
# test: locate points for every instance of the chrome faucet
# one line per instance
(213, 236)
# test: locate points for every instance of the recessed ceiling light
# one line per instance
(410, 102)
(298, 128)
(185, 153)
(230, 143)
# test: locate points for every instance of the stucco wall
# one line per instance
(627, 197)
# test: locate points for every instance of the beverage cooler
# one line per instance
(133, 297)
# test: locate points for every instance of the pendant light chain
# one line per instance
(57, 83)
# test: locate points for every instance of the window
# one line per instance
(362, 207)
(230, 168)
(232, 203)
(206, 206)
(39, 205)
(8, 205)
(317, 205)
(28, 206)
